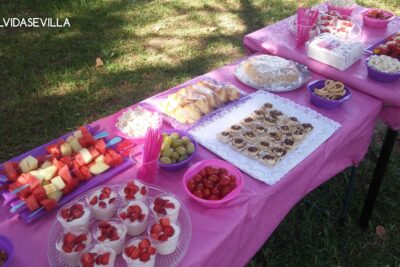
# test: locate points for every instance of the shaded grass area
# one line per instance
(49, 85)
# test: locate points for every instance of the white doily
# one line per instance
(206, 132)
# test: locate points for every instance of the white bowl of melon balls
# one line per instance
(213, 182)
(177, 150)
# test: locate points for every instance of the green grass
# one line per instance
(49, 85)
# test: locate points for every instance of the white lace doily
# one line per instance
(206, 132)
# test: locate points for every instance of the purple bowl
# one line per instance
(323, 102)
(380, 76)
(179, 165)
(6, 244)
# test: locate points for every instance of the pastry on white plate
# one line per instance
(224, 136)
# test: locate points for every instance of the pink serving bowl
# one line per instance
(346, 11)
(196, 168)
(377, 23)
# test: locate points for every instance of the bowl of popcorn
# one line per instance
(377, 18)
(132, 122)
(344, 7)
(383, 68)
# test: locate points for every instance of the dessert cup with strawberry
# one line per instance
(111, 234)
(134, 190)
(165, 236)
(140, 252)
(102, 203)
(134, 215)
(97, 256)
(165, 206)
(70, 246)
(75, 218)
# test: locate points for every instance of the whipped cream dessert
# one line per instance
(111, 234)
(70, 246)
(134, 215)
(75, 218)
(140, 253)
(102, 203)
(165, 236)
(98, 256)
(165, 206)
(134, 190)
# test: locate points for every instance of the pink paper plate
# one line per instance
(138, 139)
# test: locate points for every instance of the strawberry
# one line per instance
(94, 200)
(135, 253)
(105, 258)
(169, 205)
(197, 178)
(156, 228)
(129, 250)
(160, 202)
(144, 244)
(79, 247)
(111, 200)
(77, 214)
(69, 239)
(102, 204)
(137, 209)
(103, 196)
(165, 221)
(123, 215)
(163, 237)
(65, 214)
(144, 257)
(114, 235)
(67, 248)
(151, 250)
(102, 238)
(169, 231)
(98, 260)
(142, 217)
(154, 236)
(80, 238)
(143, 191)
(88, 258)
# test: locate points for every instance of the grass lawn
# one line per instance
(49, 85)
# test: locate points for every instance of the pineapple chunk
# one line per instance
(98, 167)
(76, 147)
(46, 164)
(69, 139)
(58, 182)
(50, 188)
(47, 173)
(56, 195)
(78, 134)
(100, 158)
(28, 164)
(87, 157)
(66, 149)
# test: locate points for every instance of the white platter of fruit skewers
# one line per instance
(131, 222)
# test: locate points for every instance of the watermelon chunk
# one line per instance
(39, 193)
(89, 139)
(60, 142)
(11, 170)
(31, 203)
(83, 130)
(82, 142)
(14, 186)
(100, 146)
(64, 173)
(79, 159)
(77, 173)
(116, 158)
(67, 161)
(85, 172)
(124, 145)
(70, 185)
(27, 178)
(54, 150)
(49, 204)
(93, 151)
(58, 164)
(24, 193)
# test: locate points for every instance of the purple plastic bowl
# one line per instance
(380, 76)
(180, 165)
(377, 23)
(6, 244)
(323, 102)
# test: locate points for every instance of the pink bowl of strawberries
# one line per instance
(213, 182)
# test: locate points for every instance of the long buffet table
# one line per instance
(277, 39)
(231, 235)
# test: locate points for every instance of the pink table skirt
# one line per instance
(230, 236)
(276, 39)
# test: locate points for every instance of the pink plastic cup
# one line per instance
(196, 168)
(303, 34)
(147, 171)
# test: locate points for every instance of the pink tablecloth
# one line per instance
(276, 39)
(230, 236)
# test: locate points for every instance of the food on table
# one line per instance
(165, 236)
(134, 215)
(71, 245)
(336, 24)
(271, 71)
(140, 253)
(214, 183)
(166, 206)
(111, 234)
(102, 203)
(134, 190)
(384, 63)
(3, 257)
(190, 103)
(75, 218)
(390, 47)
(279, 135)
(332, 90)
(45, 179)
(377, 14)
(175, 148)
(135, 122)
(341, 3)
(98, 256)
(334, 51)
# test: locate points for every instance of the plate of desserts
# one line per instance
(129, 224)
(265, 135)
(186, 105)
(272, 73)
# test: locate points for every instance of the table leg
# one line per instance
(377, 177)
